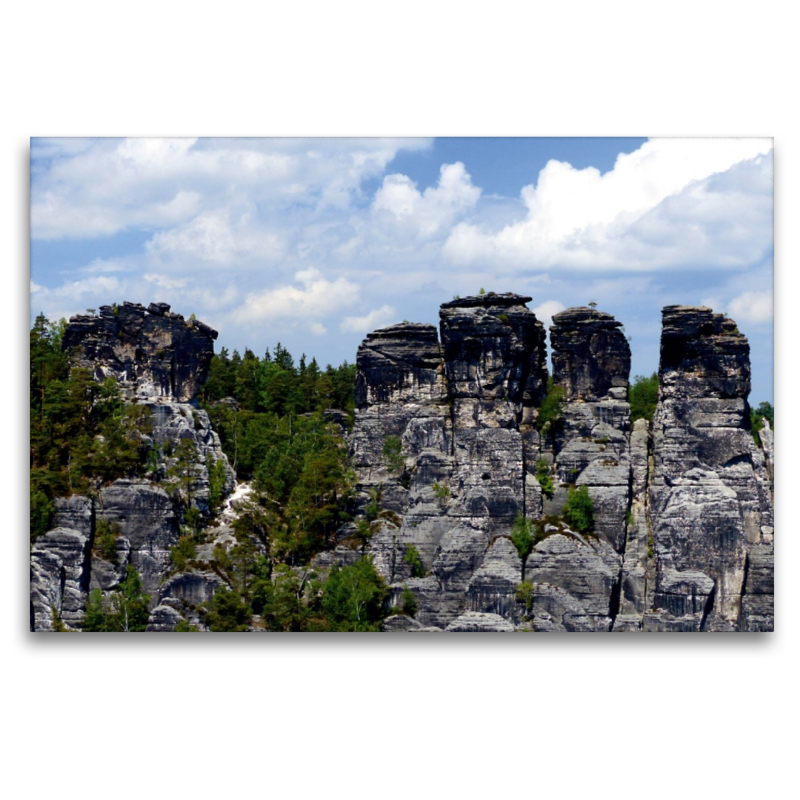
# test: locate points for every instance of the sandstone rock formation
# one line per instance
(683, 527)
(710, 505)
(160, 361)
(153, 351)
(450, 446)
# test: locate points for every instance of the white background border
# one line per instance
(396, 716)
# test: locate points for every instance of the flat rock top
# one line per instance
(403, 329)
(488, 299)
(583, 315)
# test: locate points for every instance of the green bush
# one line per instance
(393, 453)
(409, 602)
(544, 478)
(363, 533)
(414, 560)
(105, 539)
(124, 610)
(227, 611)
(441, 491)
(354, 598)
(216, 483)
(550, 411)
(579, 510)
(373, 507)
(193, 520)
(643, 397)
(524, 594)
(41, 512)
(522, 538)
(183, 552)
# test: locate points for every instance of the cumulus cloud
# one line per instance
(315, 296)
(377, 318)
(427, 212)
(99, 187)
(753, 307)
(658, 207)
(163, 281)
(544, 312)
(318, 329)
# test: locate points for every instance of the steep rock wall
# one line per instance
(160, 361)
(683, 532)
(710, 506)
(153, 351)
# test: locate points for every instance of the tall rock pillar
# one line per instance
(710, 508)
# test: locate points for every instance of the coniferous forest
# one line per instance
(270, 414)
(282, 426)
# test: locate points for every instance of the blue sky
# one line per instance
(315, 242)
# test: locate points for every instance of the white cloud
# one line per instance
(163, 281)
(102, 186)
(427, 212)
(318, 329)
(544, 312)
(376, 318)
(36, 288)
(103, 266)
(582, 219)
(754, 307)
(317, 297)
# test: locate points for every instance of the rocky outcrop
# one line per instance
(451, 446)
(683, 527)
(708, 498)
(60, 575)
(153, 352)
(160, 361)
(456, 411)
(590, 353)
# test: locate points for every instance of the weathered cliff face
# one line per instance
(154, 352)
(450, 447)
(682, 538)
(590, 354)
(709, 498)
(160, 361)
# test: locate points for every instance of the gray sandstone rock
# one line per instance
(153, 352)
(59, 582)
(477, 622)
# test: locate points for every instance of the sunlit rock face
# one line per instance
(153, 352)
(160, 362)
(682, 536)
(710, 505)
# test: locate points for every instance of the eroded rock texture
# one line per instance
(160, 362)
(154, 351)
(709, 504)
(683, 525)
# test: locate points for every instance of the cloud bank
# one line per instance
(317, 241)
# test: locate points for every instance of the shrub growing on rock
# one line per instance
(522, 538)
(393, 453)
(643, 395)
(579, 510)
(414, 560)
(550, 411)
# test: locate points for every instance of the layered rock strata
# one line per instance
(710, 507)
(153, 351)
(160, 362)
(683, 526)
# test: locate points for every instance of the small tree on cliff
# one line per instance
(393, 453)
(579, 510)
(522, 538)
